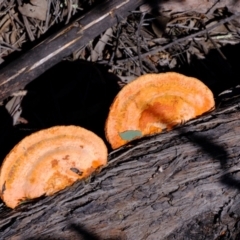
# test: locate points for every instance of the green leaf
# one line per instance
(130, 134)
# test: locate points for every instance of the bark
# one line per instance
(183, 184)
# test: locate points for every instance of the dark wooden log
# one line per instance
(18, 73)
(183, 184)
(29, 66)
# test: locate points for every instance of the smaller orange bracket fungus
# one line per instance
(154, 102)
(48, 161)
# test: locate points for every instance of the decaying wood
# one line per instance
(182, 184)
(52, 50)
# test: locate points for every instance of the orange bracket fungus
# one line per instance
(154, 102)
(48, 161)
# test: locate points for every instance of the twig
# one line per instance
(69, 4)
(212, 7)
(216, 46)
(138, 42)
(116, 44)
(9, 46)
(10, 5)
(27, 26)
(180, 40)
(47, 16)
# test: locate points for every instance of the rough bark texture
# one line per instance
(182, 184)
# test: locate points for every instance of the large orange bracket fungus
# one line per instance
(48, 161)
(154, 102)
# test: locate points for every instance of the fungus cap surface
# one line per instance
(154, 102)
(48, 161)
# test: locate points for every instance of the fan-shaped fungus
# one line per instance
(48, 161)
(154, 102)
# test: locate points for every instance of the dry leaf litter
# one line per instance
(142, 43)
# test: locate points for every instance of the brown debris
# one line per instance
(22, 22)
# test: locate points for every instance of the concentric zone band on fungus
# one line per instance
(48, 161)
(154, 102)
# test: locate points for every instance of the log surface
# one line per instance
(183, 184)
